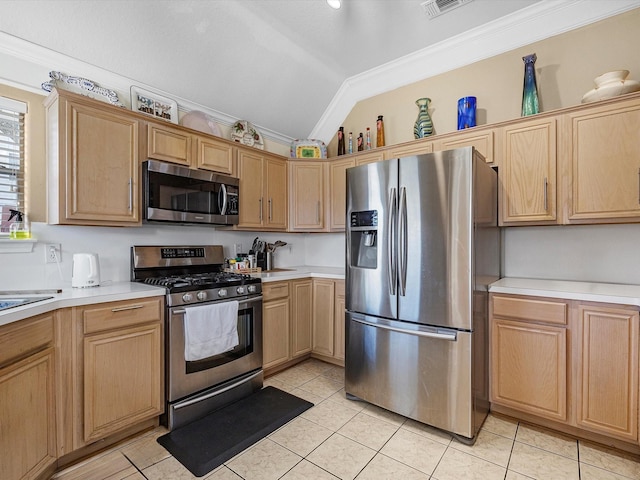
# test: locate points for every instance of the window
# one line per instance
(11, 159)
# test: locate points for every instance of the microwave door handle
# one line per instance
(223, 192)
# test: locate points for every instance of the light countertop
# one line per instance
(292, 273)
(73, 297)
(586, 291)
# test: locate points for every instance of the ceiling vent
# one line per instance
(435, 8)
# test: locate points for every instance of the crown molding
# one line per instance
(523, 27)
(43, 57)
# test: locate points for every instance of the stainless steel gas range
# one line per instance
(198, 290)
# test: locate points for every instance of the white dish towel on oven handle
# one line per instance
(210, 330)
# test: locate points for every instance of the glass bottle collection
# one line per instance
(362, 142)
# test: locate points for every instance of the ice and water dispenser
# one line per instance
(364, 238)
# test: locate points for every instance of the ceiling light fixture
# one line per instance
(334, 3)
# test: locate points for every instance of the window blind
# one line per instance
(11, 159)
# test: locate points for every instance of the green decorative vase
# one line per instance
(423, 126)
(530, 89)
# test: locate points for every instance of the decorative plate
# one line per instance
(80, 85)
(200, 121)
(308, 148)
(244, 132)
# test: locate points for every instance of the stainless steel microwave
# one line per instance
(176, 194)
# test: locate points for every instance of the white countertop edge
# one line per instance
(293, 273)
(620, 294)
(74, 297)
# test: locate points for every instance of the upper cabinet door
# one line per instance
(96, 165)
(275, 188)
(483, 141)
(250, 173)
(338, 192)
(307, 183)
(168, 144)
(602, 146)
(528, 173)
(213, 155)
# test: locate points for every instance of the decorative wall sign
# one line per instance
(153, 104)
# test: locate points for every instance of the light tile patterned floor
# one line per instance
(339, 438)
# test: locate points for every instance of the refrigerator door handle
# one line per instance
(438, 335)
(402, 241)
(392, 208)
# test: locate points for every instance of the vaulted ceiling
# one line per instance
(276, 63)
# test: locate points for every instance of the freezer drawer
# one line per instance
(423, 373)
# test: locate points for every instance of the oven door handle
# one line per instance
(243, 303)
(217, 392)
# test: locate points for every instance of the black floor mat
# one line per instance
(207, 443)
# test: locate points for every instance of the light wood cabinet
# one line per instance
(527, 173)
(338, 193)
(412, 148)
(369, 156)
(301, 316)
(339, 318)
(529, 356)
(328, 320)
(178, 145)
(607, 371)
(602, 174)
(483, 139)
(169, 144)
(573, 363)
(323, 316)
(308, 189)
(214, 155)
(93, 157)
(276, 343)
(27, 399)
(263, 191)
(120, 366)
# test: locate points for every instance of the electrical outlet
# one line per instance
(238, 249)
(52, 253)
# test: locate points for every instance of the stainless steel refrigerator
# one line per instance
(422, 246)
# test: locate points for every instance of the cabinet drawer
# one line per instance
(546, 311)
(97, 318)
(21, 338)
(271, 291)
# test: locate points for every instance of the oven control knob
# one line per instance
(251, 289)
(187, 297)
(222, 292)
(240, 290)
(202, 296)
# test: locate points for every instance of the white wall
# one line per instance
(597, 253)
(29, 270)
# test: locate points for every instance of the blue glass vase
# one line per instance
(530, 88)
(423, 126)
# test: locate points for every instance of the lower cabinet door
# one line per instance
(27, 417)
(608, 371)
(122, 379)
(529, 368)
(275, 343)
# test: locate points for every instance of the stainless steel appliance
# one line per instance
(193, 278)
(176, 194)
(422, 245)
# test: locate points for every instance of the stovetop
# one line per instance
(191, 274)
(200, 281)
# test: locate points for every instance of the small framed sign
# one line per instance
(152, 104)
